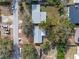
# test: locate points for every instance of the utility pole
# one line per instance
(15, 8)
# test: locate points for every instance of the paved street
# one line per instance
(16, 53)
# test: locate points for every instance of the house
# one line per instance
(77, 35)
(73, 14)
(73, 11)
(37, 18)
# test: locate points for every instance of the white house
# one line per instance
(37, 18)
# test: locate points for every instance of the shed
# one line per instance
(37, 35)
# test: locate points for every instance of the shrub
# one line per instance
(29, 52)
(6, 49)
(45, 47)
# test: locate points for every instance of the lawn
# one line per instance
(61, 51)
(51, 11)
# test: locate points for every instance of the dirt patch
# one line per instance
(70, 53)
(51, 11)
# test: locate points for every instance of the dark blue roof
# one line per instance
(74, 13)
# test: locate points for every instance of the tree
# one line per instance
(58, 29)
(45, 47)
(29, 52)
(6, 48)
(25, 16)
(28, 27)
(54, 2)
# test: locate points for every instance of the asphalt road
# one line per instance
(16, 52)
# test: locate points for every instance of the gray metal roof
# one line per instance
(37, 16)
(37, 35)
(43, 16)
(76, 1)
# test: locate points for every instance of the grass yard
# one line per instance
(61, 51)
(51, 11)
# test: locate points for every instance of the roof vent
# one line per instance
(76, 6)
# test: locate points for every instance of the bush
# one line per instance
(61, 51)
(54, 2)
(45, 47)
(6, 49)
(29, 52)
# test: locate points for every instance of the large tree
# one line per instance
(58, 29)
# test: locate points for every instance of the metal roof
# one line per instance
(74, 13)
(43, 16)
(76, 1)
(37, 35)
(43, 32)
(35, 8)
(37, 16)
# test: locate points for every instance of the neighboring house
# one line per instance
(73, 13)
(37, 18)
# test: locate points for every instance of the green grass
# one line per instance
(61, 51)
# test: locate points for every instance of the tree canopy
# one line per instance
(45, 47)
(58, 29)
